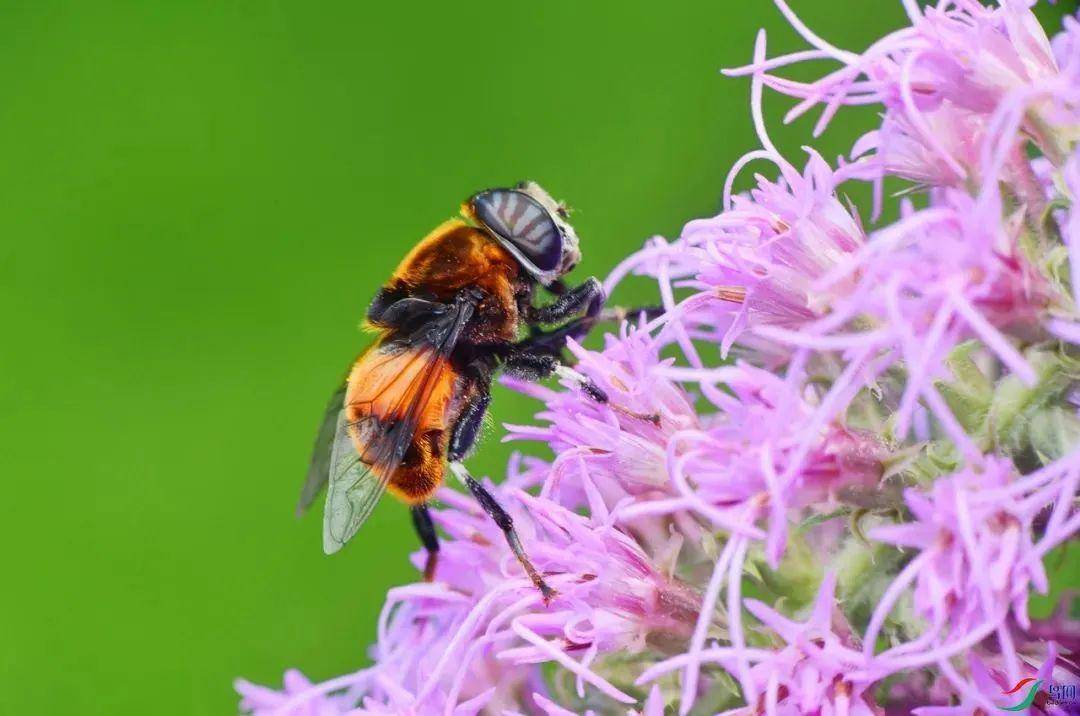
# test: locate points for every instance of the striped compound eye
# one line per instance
(524, 226)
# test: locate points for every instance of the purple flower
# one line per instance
(901, 148)
(756, 263)
(978, 557)
(699, 479)
(765, 452)
(262, 701)
(972, 562)
(759, 261)
(616, 450)
(476, 638)
(810, 673)
(964, 54)
(938, 277)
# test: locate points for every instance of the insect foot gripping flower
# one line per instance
(848, 511)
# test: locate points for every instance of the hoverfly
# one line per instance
(448, 319)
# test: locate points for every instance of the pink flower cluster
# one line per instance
(848, 510)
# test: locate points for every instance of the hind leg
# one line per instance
(425, 528)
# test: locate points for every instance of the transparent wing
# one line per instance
(354, 489)
(358, 479)
(318, 473)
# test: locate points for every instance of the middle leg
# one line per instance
(536, 358)
(505, 522)
(462, 438)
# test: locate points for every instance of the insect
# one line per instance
(452, 315)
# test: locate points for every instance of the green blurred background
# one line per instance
(197, 200)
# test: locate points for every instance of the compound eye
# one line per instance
(520, 221)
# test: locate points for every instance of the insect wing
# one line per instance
(358, 479)
(318, 473)
(354, 489)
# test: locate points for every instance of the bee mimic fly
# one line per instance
(449, 318)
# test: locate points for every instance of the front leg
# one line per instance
(525, 362)
(587, 298)
(552, 343)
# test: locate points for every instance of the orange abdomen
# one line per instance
(383, 384)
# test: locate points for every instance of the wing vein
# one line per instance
(357, 481)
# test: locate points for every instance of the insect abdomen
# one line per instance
(382, 382)
(421, 472)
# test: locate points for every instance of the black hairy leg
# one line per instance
(425, 528)
(505, 523)
(535, 359)
(586, 298)
(470, 420)
(552, 343)
(528, 365)
(531, 364)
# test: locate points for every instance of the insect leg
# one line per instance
(506, 524)
(476, 392)
(554, 341)
(426, 529)
(530, 361)
(618, 314)
(587, 296)
(530, 366)
(578, 328)
(467, 428)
